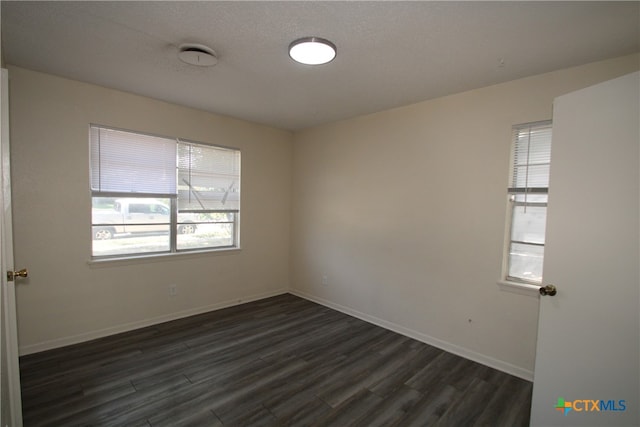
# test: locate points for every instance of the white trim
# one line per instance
(87, 336)
(427, 339)
(158, 257)
(443, 345)
(11, 396)
(519, 288)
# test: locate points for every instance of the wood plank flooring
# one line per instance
(279, 361)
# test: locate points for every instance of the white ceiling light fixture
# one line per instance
(197, 54)
(312, 51)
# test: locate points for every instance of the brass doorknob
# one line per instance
(548, 290)
(20, 273)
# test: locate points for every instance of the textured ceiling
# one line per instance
(389, 53)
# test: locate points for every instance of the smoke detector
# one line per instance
(197, 54)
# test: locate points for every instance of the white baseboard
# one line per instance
(88, 336)
(443, 345)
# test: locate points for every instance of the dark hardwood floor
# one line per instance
(278, 361)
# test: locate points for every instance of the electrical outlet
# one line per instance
(325, 280)
(173, 290)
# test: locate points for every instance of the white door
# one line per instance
(11, 405)
(588, 352)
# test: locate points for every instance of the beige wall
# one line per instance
(404, 213)
(66, 299)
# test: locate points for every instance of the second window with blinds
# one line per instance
(528, 194)
(156, 195)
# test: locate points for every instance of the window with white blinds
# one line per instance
(154, 194)
(531, 158)
(208, 178)
(128, 162)
(528, 195)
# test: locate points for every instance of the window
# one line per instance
(528, 193)
(154, 195)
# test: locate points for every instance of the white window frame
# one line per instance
(174, 224)
(527, 193)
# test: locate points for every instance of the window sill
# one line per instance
(142, 259)
(519, 288)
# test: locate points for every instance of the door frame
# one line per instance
(8, 321)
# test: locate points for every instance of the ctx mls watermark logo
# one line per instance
(588, 405)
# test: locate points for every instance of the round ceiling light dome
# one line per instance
(197, 54)
(312, 51)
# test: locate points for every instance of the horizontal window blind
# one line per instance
(531, 158)
(208, 178)
(168, 195)
(528, 188)
(128, 162)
